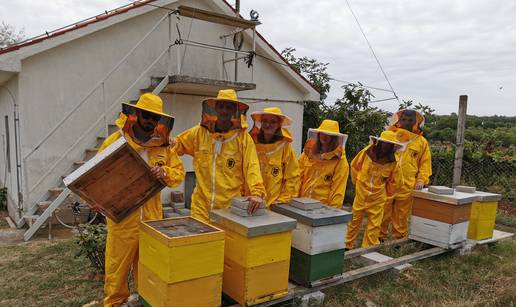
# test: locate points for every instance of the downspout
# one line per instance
(16, 149)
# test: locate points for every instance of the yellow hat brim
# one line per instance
(385, 140)
(145, 109)
(287, 121)
(327, 132)
(241, 106)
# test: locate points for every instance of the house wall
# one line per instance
(8, 96)
(54, 82)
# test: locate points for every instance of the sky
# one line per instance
(431, 51)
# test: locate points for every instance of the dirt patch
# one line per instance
(507, 208)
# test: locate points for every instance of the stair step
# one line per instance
(43, 205)
(90, 153)
(95, 149)
(79, 163)
(31, 219)
(56, 190)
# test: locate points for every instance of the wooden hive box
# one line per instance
(117, 179)
(483, 215)
(180, 262)
(317, 242)
(256, 256)
(440, 219)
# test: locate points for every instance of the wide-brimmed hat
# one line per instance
(229, 95)
(150, 103)
(387, 137)
(286, 120)
(330, 127)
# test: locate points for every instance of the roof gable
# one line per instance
(16, 53)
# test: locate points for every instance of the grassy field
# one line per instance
(43, 273)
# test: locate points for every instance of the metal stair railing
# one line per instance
(104, 117)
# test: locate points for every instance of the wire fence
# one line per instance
(486, 172)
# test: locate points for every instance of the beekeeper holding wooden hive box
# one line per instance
(136, 165)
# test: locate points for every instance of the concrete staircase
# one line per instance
(45, 211)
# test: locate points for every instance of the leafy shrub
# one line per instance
(91, 241)
(3, 198)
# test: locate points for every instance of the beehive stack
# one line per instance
(483, 213)
(317, 241)
(440, 219)
(256, 256)
(181, 263)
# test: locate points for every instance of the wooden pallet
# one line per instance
(299, 291)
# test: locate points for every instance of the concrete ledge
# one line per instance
(182, 84)
(375, 257)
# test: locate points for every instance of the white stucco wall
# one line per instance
(8, 177)
(53, 82)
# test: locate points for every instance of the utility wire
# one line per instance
(252, 54)
(361, 85)
(380, 100)
(372, 51)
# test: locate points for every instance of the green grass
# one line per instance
(505, 220)
(487, 277)
(44, 273)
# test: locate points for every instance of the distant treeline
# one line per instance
(494, 131)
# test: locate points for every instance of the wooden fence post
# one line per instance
(459, 151)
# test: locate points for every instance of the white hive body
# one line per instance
(438, 233)
(441, 219)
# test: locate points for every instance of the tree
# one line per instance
(311, 69)
(357, 118)
(10, 35)
(315, 72)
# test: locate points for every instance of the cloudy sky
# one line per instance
(432, 51)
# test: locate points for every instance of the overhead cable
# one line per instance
(372, 51)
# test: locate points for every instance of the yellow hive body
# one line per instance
(199, 255)
(254, 251)
(180, 263)
(482, 220)
(256, 255)
(254, 285)
(204, 291)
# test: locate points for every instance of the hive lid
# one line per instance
(322, 216)
(486, 196)
(252, 226)
(457, 198)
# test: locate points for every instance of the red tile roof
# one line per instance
(75, 26)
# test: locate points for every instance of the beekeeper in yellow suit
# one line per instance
(376, 174)
(323, 165)
(146, 129)
(224, 156)
(278, 162)
(416, 163)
